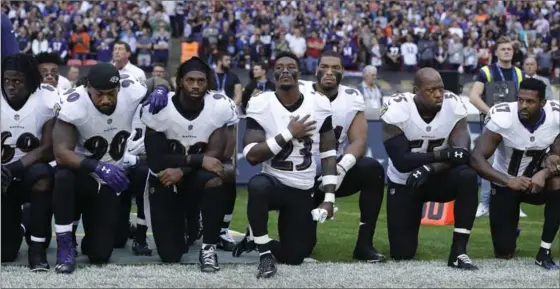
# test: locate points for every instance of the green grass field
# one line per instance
(336, 238)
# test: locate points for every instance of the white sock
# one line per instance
(462, 231)
(63, 228)
(546, 245)
(262, 240)
(38, 240)
(204, 245)
(264, 253)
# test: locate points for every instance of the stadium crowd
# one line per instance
(84, 152)
(390, 35)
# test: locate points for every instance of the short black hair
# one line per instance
(220, 56)
(126, 45)
(26, 64)
(534, 84)
(49, 57)
(261, 64)
(289, 55)
(330, 53)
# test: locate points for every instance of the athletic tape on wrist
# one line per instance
(287, 135)
(247, 148)
(328, 154)
(273, 146)
(330, 180)
(329, 197)
(347, 162)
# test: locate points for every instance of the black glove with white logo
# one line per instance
(419, 176)
(457, 156)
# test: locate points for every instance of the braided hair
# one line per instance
(25, 64)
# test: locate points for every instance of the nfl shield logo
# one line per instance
(109, 121)
(428, 128)
(532, 139)
(16, 117)
(190, 127)
(392, 191)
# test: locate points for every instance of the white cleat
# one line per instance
(482, 210)
(522, 214)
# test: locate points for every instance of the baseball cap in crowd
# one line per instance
(104, 76)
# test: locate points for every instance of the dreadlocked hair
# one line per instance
(25, 64)
(46, 57)
(210, 78)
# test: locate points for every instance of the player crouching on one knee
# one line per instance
(427, 139)
(524, 169)
(184, 143)
(27, 123)
(286, 130)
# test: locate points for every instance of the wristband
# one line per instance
(195, 160)
(329, 197)
(16, 168)
(273, 146)
(328, 154)
(287, 135)
(330, 180)
(347, 162)
(247, 148)
(88, 165)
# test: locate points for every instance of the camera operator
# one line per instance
(499, 74)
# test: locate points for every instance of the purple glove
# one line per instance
(158, 99)
(114, 176)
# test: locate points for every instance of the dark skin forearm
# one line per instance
(328, 165)
(484, 149)
(231, 142)
(43, 153)
(217, 143)
(357, 136)
(260, 152)
(64, 136)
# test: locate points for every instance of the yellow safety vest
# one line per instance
(488, 74)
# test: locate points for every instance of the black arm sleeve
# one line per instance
(251, 123)
(403, 159)
(157, 153)
(327, 125)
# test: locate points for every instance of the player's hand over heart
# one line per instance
(519, 183)
(552, 163)
(171, 176)
(457, 156)
(538, 181)
(419, 176)
(113, 175)
(323, 212)
(301, 128)
(213, 165)
(158, 99)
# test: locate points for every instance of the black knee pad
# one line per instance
(62, 174)
(39, 177)
(466, 174)
(372, 166)
(260, 184)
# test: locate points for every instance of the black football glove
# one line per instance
(457, 156)
(419, 176)
(6, 179)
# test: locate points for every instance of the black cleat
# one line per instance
(461, 261)
(267, 266)
(208, 259)
(65, 258)
(368, 254)
(37, 257)
(141, 248)
(544, 259)
(226, 242)
(244, 246)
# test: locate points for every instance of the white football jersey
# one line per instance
(295, 165)
(401, 111)
(520, 150)
(345, 106)
(191, 136)
(100, 136)
(22, 129)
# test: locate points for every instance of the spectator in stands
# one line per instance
(159, 70)
(59, 45)
(161, 40)
(297, 45)
(315, 46)
(470, 57)
(144, 48)
(376, 55)
(23, 40)
(441, 55)
(544, 60)
(40, 44)
(426, 51)
(409, 52)
(121, 56)
(129, 37)
(81, 42)
(73, 75)
(455, 52)
(259, 83)
(530, 68)
(373, 94)
(104, 45)
(226, 80)
(393, 54)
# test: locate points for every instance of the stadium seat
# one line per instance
(74, 62)
(90, 62)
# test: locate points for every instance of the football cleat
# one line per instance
(461, 261)
(208, 259)
(65, 258)
(141, 248)
(368, 254)
(267, 266)
(544, 259)
(244, 246)
(37, 257)
(226, 242)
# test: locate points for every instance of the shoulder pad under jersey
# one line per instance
(555, 108)
(257, 106)
(132, 88)
(49, 99)
(397, 109)
(322, 104)
(73, 106)
(159, 121)
(354, 96)
(457, 105)
(501, 116)
(223, 108)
